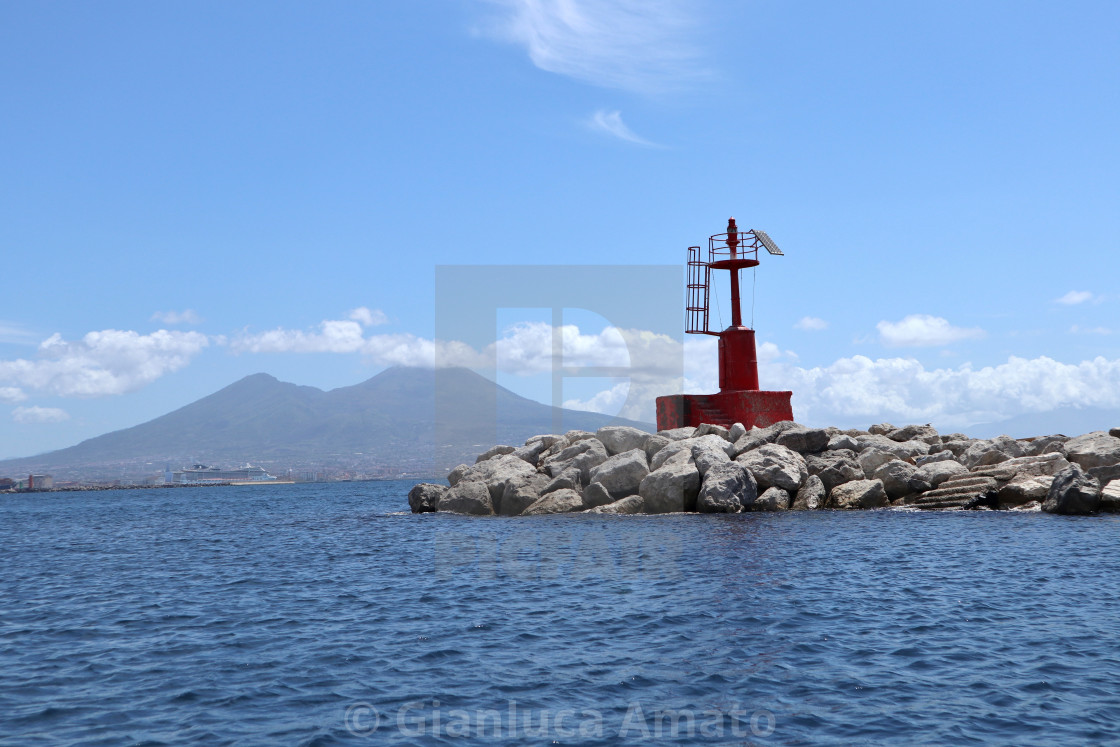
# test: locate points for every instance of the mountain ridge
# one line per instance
(404, 420)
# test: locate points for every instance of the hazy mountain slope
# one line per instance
(388, 421)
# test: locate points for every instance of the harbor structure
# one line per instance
(739, 399)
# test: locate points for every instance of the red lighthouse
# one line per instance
(739, 399)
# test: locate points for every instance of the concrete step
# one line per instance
(955, 492)
(946, 504)
(963, 485)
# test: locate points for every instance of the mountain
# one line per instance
(402, 420)
(1072, 421)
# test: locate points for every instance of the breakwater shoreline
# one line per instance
(784, 466)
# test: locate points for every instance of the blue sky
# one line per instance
(191, 192)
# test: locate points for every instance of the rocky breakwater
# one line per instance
(786, 466)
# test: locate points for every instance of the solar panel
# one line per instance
(767, 242)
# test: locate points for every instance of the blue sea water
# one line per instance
(326, 614)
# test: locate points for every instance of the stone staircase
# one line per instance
(956, 492)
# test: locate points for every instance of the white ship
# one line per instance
(201, 474)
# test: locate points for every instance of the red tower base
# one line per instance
(749, 407)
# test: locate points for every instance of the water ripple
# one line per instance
(276, 615)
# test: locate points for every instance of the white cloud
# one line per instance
(633, 45)
(369, 317)
(186, 316)
(612, 124)
(609, 401)
(811, 324)
(106, 362)
(1075, 297)
(333, 336)
(347, 336)
(35, 414)
(12, 394)
(923, 330)
(860, 391)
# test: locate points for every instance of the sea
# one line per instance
(326, 614)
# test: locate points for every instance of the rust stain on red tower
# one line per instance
(739, 399)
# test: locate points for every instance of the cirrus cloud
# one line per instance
(1074, 298)
(633, 45)
(611, 123)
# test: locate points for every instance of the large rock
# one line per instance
(1110, 497)
(655, 443)
(803, 440)
(756, 436)
(671, 489)
(881, 429)
(584, 455)
(895, 476)
(531, 452)
(1097, 449)
(563, 442)
(467, 497)
(622, 473)
(676, 434)
(924, 433)
(1114, 432)
(1024, 490)
(569, 478)
(497, 472)
(834, 467)
(620, 438)
(424, 497)
(773, 499)
(898, 449)
(1050, 463)
(858, 494)
(842, 441)
(596, 495)
(775, 466)
(633, 504)
(728, 488)
(557, 502)
(932, 474)
(1073, 492)
(546, 439)
(704, 456)
(521, 493)
(936, 454)
(706, 429)
(871, 459)
(686, 446)
(811, 496)
(958, 447)
(456, 474)
(992, 451)
(492, 452)
(1046, 444)
(737, 431)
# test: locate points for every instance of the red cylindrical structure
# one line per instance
(738, 362)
